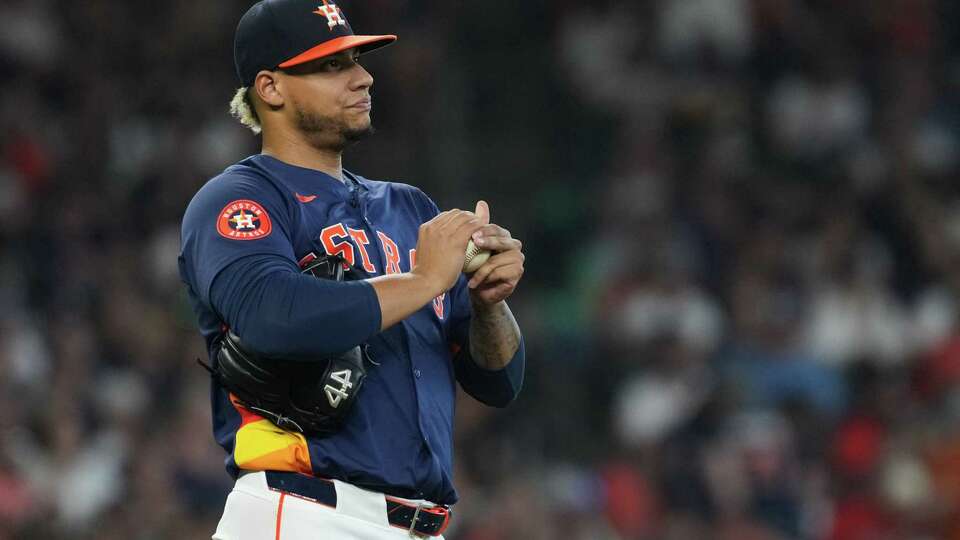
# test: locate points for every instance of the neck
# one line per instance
(295, 151)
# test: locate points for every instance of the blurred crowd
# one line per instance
(742, 227)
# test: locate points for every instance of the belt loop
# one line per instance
(413, 522)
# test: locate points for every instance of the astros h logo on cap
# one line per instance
(277, 34)
(332, 13)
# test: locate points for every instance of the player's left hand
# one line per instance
(496, 280)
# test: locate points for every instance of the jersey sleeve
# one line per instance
(233, 216)
(496, 388)
(279, 312)
(237, 256)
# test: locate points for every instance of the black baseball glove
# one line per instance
(311, 397)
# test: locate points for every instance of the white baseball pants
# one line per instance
(255, 512)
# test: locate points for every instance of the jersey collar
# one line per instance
(308, 178)
(356, 180)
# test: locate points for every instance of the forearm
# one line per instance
(494, 335)
(401, 295)
(441, 243)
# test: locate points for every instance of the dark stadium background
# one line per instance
(742, 228)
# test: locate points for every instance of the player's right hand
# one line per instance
(442, 245)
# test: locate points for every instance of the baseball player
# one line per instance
(335, 311)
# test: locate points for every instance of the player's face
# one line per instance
(330, 99)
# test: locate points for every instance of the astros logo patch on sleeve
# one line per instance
(243, 220)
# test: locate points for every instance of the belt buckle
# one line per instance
(442, 511)
(413, 522)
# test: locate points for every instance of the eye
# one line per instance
(333, 63)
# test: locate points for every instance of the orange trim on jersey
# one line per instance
(246, 417)
(338, 44)
(280, 514)
(260, 445)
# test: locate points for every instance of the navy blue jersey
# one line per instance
(242, 237)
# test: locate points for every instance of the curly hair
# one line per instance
(241, 107)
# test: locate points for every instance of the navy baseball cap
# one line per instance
(283, 33)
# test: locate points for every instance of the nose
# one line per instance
(362, 79)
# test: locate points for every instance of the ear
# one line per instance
(268, 88)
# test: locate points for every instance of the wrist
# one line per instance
(481, 308)
(423, 281)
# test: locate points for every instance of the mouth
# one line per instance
(363, 105)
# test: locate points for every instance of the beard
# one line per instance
(329, 133)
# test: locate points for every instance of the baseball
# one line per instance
(475, 258)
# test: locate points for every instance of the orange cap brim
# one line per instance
(365, 43)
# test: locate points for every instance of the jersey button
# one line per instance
(416, 373)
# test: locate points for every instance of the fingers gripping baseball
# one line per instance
(498, 287)
(492, 237)
(506, 266)
(497, 239)
(442, 244)
(497, 278)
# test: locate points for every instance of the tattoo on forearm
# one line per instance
(494, 335)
